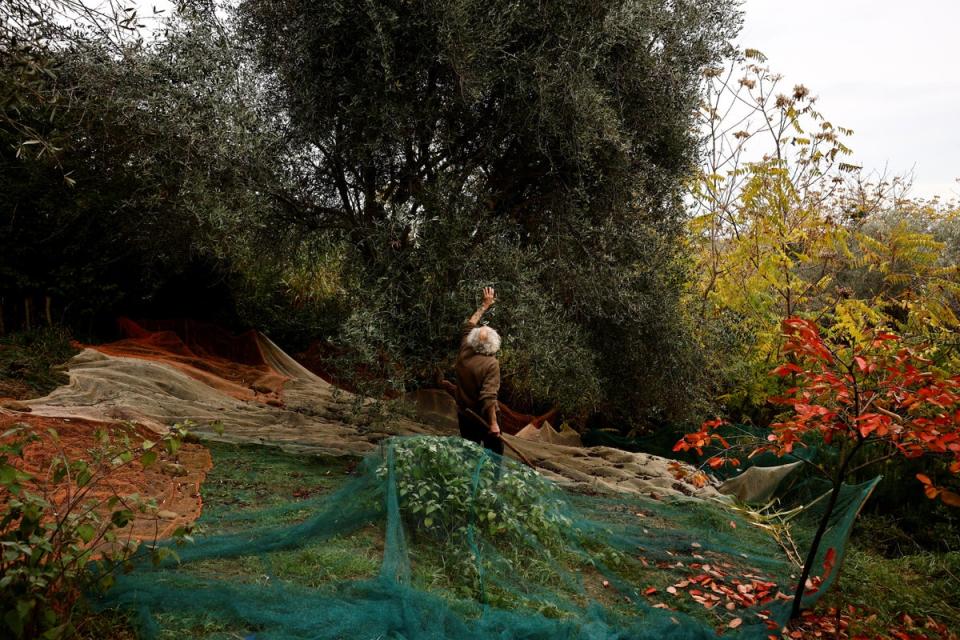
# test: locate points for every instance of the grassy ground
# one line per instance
(250, 479)
(886, 589)
(254, 478)
(26, 361)
(888, 578)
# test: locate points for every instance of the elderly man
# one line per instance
(478, 379)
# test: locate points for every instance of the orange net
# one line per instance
(176, 490)
(233, 364)
(513, 421)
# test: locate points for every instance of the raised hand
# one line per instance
(489, 297)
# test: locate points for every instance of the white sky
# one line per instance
(888, 69)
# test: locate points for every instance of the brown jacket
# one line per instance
(478, 377)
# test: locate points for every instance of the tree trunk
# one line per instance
(46, 310)
(815, 545)
(3, 328)
(27, 308)
(812, 554)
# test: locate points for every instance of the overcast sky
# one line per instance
(888, 69)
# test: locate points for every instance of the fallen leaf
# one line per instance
(828, 561)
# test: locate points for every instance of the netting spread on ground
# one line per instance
(244, 388)
(478, 547)
(451, 548)
(177, 495)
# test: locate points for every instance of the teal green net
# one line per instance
(469, 545)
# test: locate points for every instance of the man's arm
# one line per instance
(492, 420)
(489, 297)
(488, 396)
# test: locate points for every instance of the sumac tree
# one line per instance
(870, 399)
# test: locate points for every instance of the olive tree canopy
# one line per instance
(539, 146)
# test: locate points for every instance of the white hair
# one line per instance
(484, 340)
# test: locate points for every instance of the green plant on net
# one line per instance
(446, 488)
(62, 535)
(479, 515)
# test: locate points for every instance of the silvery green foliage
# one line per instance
(447, 485)
(538, 147)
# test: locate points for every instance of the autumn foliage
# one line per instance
(870, 399)
(880, 395)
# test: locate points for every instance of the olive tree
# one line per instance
(440, 138)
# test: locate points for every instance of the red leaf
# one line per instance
(950, 498)
(786, 369)
(828, 561)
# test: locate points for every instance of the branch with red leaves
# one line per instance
(859, 396)
(877, 391)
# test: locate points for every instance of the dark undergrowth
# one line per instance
(30, 361)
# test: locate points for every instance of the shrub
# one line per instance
(61, 542)
(447, 485)
(27, 359)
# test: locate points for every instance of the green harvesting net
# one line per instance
(468, 545)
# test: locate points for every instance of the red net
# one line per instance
(231, 363)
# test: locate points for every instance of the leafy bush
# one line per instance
(447, 485)
(870, 398)
(64, 542)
